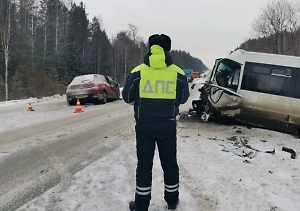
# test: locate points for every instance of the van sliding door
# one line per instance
(295, 109)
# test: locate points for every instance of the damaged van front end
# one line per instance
(253, 88)
(218, 96)
(228, 106)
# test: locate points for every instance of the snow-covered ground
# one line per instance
(212, 175)
(11, 119)
(22, 118)
(30, 100)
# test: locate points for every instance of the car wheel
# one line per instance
(96, 101)
(104, 99)
(298, 133)
(71, 102)
(118, 96)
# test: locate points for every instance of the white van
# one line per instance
(258, 88)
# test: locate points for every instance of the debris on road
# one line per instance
(245, 144)
(232, 138)
(214, 139)
(290, 150)
(185, 115)
(242, 152)
(263, 141)
(242, 148)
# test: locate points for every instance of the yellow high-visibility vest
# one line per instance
(158, 83)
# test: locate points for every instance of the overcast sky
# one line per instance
(208, 29)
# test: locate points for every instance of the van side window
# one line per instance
(281, 72)
(261, 70)
(267, 78)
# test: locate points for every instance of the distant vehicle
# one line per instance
(92, 87)
(254, 88)
(189, 74)
(196, 75)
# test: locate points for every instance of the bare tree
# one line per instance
(293, 23)
(126, 55)
(132, 32)
(143, 49)
(44, 15)
(61, 22)
(95, 39)
(274, 20)
(58, 9)
(5, 33)
(122, 57)
(114, 56)
(33, 12)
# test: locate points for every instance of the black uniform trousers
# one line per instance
(148, 134)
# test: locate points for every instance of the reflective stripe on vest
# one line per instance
(158, 84)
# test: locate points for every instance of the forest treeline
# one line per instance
(45, 43)
(276, 29)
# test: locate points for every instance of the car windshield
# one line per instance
(83, 79)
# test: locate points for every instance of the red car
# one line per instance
(92, 87)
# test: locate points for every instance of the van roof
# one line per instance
(242, 56)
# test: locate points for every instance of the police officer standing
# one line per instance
(156, 88)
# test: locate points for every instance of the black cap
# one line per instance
(162, 40)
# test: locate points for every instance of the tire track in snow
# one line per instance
(19, 134)
(64, 155)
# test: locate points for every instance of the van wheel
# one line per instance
(298, 133)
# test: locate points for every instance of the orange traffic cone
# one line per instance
(30, 107)
(78, 108)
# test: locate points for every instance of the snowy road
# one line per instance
(38, 157)
(54, 160)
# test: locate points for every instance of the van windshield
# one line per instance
(227, 74)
